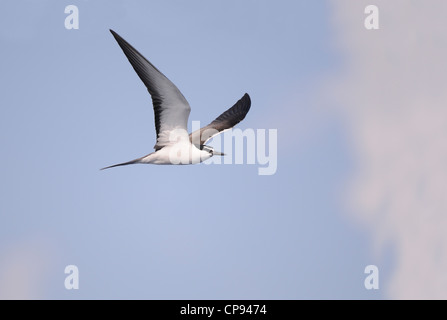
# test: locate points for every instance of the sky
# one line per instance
(360, 148)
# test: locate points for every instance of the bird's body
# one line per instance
(174, 146)
(177, 153)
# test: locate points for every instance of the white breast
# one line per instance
(182, 152)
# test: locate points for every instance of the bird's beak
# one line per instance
(217, 153)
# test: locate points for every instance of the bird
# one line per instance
(174, 146)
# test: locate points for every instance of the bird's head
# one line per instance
(210, 151)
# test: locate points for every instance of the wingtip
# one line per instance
(114, 34)
(247, 97)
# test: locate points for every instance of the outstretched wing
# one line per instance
(226, 120)
(171, 110)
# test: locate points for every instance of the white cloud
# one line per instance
(394, 95)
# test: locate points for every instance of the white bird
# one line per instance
(171, 110)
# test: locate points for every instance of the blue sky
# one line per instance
(71, 104)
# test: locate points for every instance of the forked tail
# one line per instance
(125, 163)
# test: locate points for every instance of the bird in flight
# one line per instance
(171, 111)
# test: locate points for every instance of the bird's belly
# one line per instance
(178, 154)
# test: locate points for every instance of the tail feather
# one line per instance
(125, 163)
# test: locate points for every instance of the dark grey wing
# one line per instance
(171, 110)
(226, 120)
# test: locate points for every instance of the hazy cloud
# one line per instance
(394, 96)
(23, 271)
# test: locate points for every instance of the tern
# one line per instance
(171, 111)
